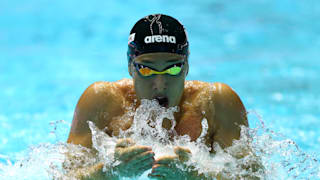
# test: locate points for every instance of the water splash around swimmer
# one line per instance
(280, 156)
(147, 130)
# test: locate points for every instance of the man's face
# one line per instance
(166, 88)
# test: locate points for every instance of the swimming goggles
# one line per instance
(173, 70)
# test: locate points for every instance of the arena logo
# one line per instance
(159, 39)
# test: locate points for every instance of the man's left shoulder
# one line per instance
(228, 105)
(224, 90)
(214, 94)
(225, 94)
(209, 89)
(199, 87)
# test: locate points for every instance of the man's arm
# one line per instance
(229, 115)
(100, 103)
(96, 101)
(97, 104)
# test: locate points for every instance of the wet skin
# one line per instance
(104, 103)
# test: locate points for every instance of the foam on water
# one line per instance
(260, 152)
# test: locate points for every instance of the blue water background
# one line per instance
(50, 51)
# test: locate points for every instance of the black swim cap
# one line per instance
(157, 33)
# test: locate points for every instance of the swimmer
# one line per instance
(158, 52)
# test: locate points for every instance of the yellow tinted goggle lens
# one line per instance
(145, 71)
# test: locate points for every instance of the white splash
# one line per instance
(278, 156)
(147, 126)
(104, 144)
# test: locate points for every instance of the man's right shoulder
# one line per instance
(98, 91)
(103, 93)
(97, 97)
(105, 88)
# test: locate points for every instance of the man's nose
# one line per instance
(159, 83)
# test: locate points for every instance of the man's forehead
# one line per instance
(156, 57)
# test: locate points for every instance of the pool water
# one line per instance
(50, 51)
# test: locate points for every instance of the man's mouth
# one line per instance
(163, 101)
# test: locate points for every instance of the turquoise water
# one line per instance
(50, 51)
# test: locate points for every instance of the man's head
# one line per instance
(158, 52)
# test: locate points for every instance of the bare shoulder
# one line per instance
(217, 94)
(97, 92)
(196, 89)
(96, 96)
(230, 114)
(101, 94)
(104, 87)
(224, 94)
(200, 93)
(99, 103)
(226, 100)
(222, 106)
